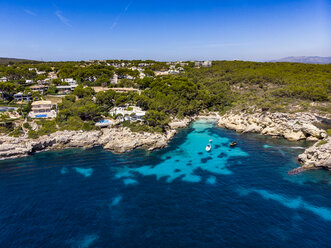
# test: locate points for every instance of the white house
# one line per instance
(161, 73)
(23, 97)
(42, 109)
(42, 82)
(207, 63)
(174, 71)
(3, 79)
(131, 113)
(128, 77)
(40, 88)
(92, 78)
(29, 81)
(144, 64)
(66, 89)
(142, 75)
(114, 80)
(70, 81)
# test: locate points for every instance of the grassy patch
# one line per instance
(141, 127)
(74, 123)
(17, 132)
(322, 142)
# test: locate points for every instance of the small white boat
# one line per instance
(210, 140)
(208, 147)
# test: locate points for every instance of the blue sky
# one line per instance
(164, 30)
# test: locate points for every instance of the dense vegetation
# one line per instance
(225, 85)
(269, 85)
(13, 60)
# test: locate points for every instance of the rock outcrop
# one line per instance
(115, 139)
(293, 127)
(120, 140)
(318, 155)
(290, 126)
(180, 123)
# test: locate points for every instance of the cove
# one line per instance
(180, 196)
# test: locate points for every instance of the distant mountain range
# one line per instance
(299, 59)
(306, 59)
(7, 60)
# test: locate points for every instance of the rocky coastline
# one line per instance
(117, 139)
(294, 127)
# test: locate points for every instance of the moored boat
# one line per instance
(208, 147)
(233, 144)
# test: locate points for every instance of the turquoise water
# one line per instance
(181, 196)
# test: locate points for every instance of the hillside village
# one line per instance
(35, 90)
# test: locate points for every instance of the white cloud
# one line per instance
(63, 19)
(118, 17)
(29, 12)
(115, 22)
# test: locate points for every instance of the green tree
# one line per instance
(7, 87)
(81, 92)
(105, 99)
(149, 72)
(51, 90)
(156, 119)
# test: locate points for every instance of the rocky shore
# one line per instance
(299, 126)
(317, 156)
(290, 126)
(115, 139)
(118, 140)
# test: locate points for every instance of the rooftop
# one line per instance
(41, 102)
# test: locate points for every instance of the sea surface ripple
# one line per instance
(181, 196)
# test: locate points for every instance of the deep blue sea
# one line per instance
(180, 196)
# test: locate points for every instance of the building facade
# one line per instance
(21, 97)
(42, 109)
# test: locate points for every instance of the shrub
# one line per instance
(16, 132)
(26, 125)
(141, 127)
(74, 123)
(47, 127)
(33, 134)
